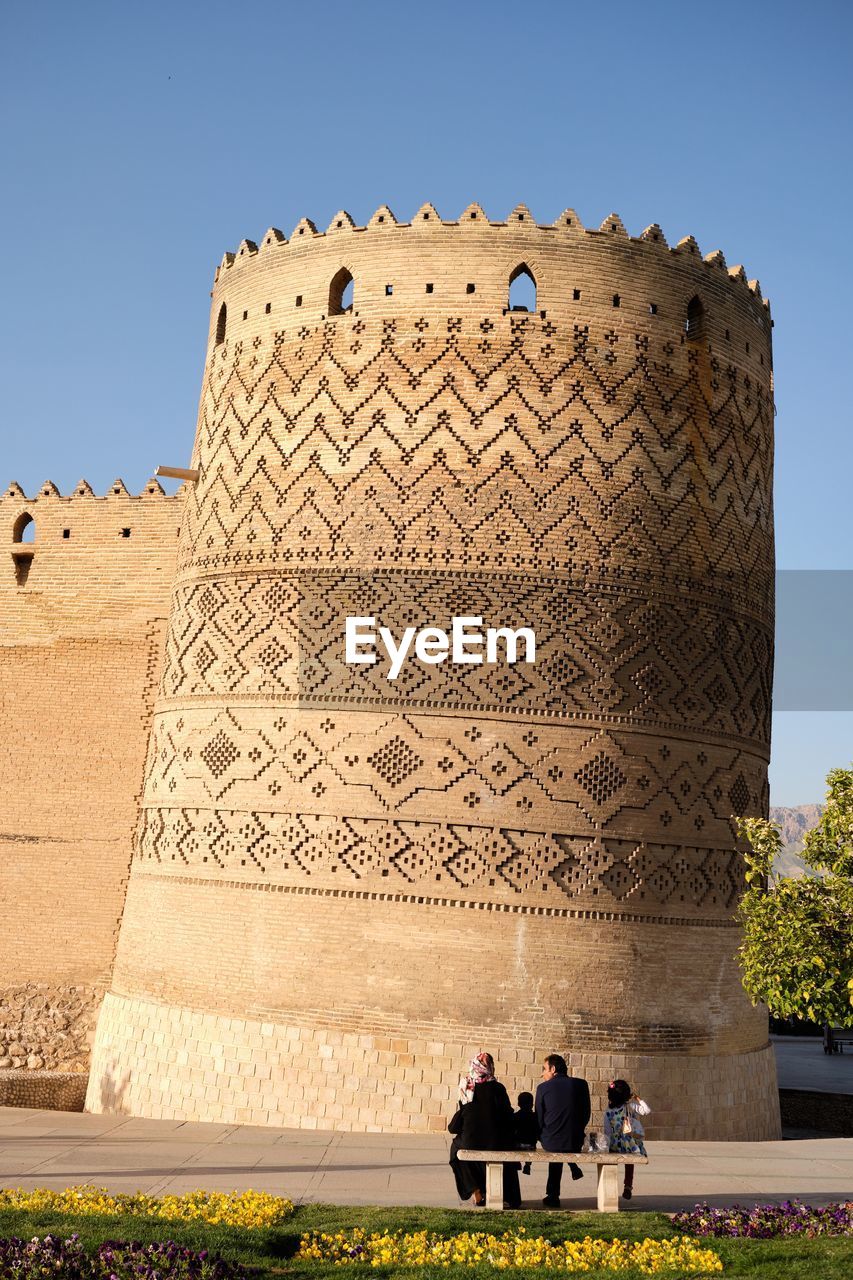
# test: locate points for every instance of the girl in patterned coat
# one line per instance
(623, 1128)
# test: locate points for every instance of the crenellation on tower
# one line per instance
(341, 222)
(435, 268)
(425, 215)
(654, 235)
(427, 219)
(272, 237)
(383, 218)
(613, 225)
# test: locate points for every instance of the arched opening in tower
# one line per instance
(23, 532)
(341, 293)
(24, 528)
(522, 289)
(221, 322)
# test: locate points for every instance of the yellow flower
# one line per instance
(251, 1210)
(682, 1255)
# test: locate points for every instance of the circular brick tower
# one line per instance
(344, 885)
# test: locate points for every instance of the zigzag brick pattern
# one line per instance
(553, 841)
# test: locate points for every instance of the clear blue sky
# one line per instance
(139, 142)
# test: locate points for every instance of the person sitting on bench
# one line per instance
(482, 1124)
(563, 1109)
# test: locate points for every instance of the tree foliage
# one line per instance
(797, 950)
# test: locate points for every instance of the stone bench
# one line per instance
(607, 1163)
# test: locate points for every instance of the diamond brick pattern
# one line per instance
(219, 753)
(395, 762)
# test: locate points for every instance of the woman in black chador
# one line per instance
(483, 1122)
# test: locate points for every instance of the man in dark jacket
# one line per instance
(563, 1110)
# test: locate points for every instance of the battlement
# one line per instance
(14, 495)
(104, 545)
(599, 278)
(427, 221)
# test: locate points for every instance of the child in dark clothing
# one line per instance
(526, 1126)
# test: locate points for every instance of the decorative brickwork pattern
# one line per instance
(611, 656)
(398, 857)
(552, 843)
(399, 766)
(456, 450)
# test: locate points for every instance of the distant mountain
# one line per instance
(794, 823)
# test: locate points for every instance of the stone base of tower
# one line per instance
(162, 1062)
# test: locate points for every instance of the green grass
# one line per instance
(270, 1253)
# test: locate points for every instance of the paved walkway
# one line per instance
(802, 1064)
(56, 1149)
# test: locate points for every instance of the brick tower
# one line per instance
(343, 885)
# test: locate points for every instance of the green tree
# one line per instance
(797, 950)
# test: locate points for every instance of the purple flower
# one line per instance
(764, 1221)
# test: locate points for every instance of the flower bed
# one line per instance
(249, 1209)
(114, 1260)
(512, 1249)
(763, 1221)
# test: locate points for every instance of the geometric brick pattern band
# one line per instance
(613, 655)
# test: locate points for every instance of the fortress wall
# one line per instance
(80, 654)
(465, 858)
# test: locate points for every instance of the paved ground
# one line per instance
(802, 1064)
(55, 1149)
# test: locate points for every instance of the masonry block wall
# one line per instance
(358, 883)
(84, 607)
